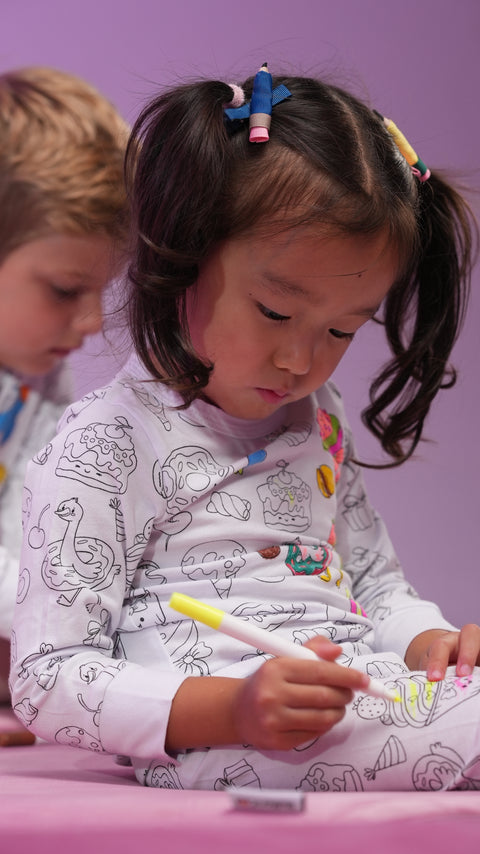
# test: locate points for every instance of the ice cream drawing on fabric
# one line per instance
(423, 701)
(219, 562)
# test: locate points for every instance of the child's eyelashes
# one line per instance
(282, 318)
(272, 315)
(64, 294)
(337, 333)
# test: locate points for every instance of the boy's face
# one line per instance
(51, 298)
(275, 315)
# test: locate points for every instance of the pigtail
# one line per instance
(176, 169)
(423, 316)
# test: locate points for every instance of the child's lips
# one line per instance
(65, 351)
(62, 352)
(272, 395)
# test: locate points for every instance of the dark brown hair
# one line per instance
(195, 181)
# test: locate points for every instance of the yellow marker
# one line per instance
(197, 610)
(261, 639)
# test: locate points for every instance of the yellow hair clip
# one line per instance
(419, 169)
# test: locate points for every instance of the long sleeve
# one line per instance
(70, 681)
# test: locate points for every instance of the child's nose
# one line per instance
(89, 318)
(295, 355)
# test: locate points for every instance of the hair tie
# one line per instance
(418, 167)
(238, 96)
(259, 110)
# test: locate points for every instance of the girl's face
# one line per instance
(275, 315)
(51, 298)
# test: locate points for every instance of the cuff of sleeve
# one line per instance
(136, 709)
(398, 630)
(8, 594)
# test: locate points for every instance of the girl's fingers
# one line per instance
(317, 697)
(310, 724)
(284, 727)
(326, 673)
(324, 648)
(468, 649)
(439, 654)
(461, 648)
(288, 701)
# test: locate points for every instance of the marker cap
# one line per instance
(196, 610)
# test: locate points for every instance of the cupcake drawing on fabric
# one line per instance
(286, 500)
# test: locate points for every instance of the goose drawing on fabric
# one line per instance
(77, 561)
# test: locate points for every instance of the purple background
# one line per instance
(417, 61)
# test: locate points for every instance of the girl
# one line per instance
(219, 463)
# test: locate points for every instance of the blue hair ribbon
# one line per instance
(259, 110)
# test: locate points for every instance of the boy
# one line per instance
(63, 220)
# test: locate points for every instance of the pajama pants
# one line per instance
(430, 741)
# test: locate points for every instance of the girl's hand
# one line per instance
(435, 649)
(289, 701)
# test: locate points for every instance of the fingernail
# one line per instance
(464, 670)
(435, 675)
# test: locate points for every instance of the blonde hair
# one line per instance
(62, 148)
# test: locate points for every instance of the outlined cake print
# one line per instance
(286, 500)
(99, 455)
